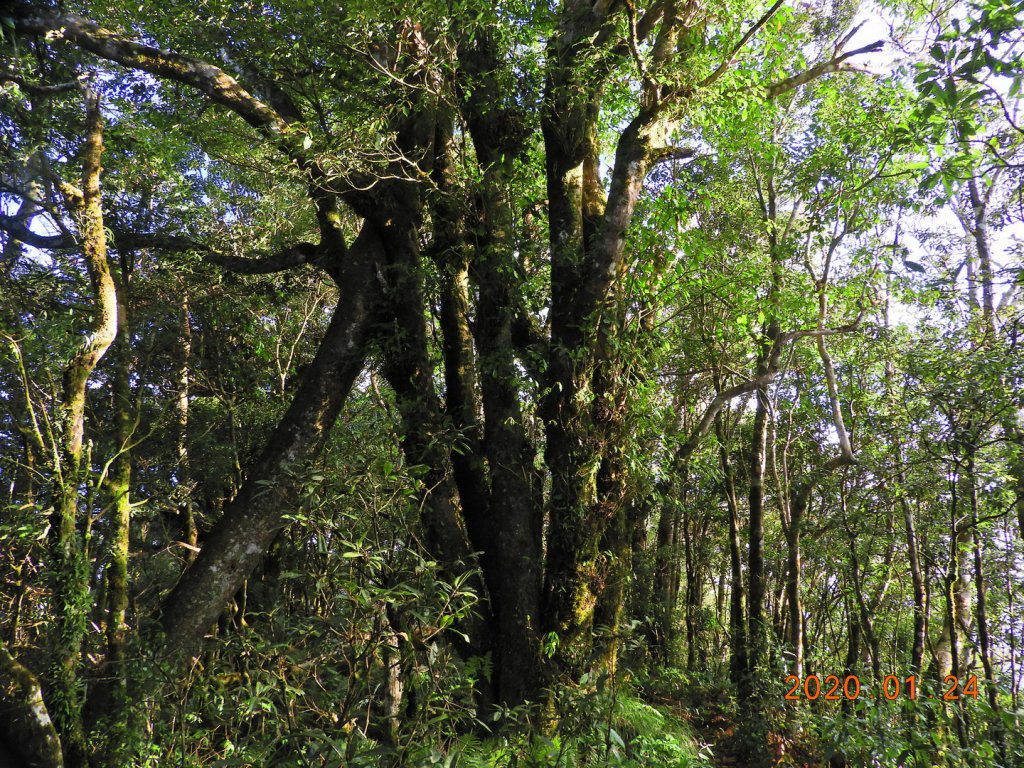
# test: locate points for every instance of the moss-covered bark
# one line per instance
(25, 726)
(69, 540)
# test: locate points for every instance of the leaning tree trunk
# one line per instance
(25, 727)
(252, 519)
(237, 543)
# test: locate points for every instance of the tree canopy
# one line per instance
(612, 383)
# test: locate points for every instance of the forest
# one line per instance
(534, 383)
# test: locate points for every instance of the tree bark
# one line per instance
(509, 529)
(425, 441)
(981, 593)
(756, 636)
(738, 663)
(693, 589)
(516, 511)
(69, 549)
(587, 239)
(187, 509)
(664, 593)
(918, 584)
(769, 347)
(25, 726)
(108, 702)
(251, 520)
(795, 624)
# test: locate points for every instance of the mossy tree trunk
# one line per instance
(25, 726)
(109, 701)
(69, 539)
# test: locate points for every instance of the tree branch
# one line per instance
(668, 154)
(37, 89)
(837, 64)
(721, 399)
(16, 227)
(634, 48)
(211, 80)
(731, 59)
(288, 258)
(746, 387)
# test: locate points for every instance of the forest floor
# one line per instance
(712, 718)
(717, 730)
(712, 721)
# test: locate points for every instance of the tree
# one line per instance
(487, 190)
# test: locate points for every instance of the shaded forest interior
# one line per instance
(626, 383)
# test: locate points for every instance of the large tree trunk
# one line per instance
(509, 528)
(516, 511)
(587, 240)
(616, 545)
(251, 520)
(617, 512)
(424, 438)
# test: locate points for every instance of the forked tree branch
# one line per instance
(837, 64)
